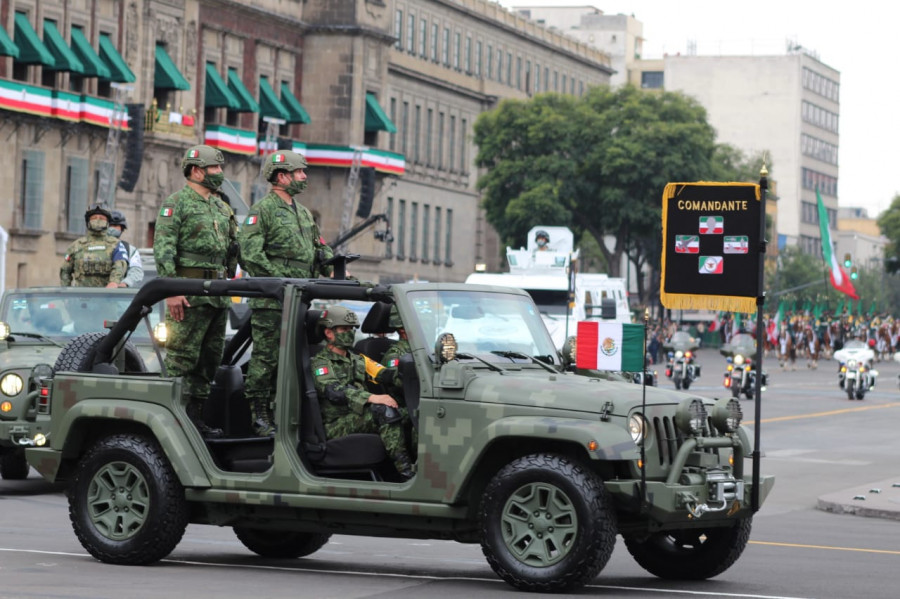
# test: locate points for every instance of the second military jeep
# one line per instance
(541, 467)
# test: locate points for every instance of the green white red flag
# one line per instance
(839, 278)
(610, 346)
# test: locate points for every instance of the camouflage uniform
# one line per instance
(193, 239)
(93, 261)
(277, 240)
(341, 385)
(392, 356)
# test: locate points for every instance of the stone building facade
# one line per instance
(395, 85)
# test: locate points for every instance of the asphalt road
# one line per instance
(814, 440)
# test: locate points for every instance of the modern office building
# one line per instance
(99, 100)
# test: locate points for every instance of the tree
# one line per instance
(889, 223)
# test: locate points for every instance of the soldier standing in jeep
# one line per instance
(194, 237)
(95, 260)
(279, 238)
(347, 407)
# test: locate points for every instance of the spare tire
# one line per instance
(78, 355)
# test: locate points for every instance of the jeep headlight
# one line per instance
(4, 331)
(727, 415)
(637, 426)
(11, 384)
(691, 416)
(738, 359)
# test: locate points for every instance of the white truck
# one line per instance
(547, 276)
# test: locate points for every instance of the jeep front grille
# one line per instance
(669, 439)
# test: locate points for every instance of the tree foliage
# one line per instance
(889, 223)
(598, 165)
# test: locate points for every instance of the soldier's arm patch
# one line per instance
(322, 371)
(251, 220)
(167, 211)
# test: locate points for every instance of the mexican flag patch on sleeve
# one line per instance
(166, 211)
(251, 220)
(321, 371)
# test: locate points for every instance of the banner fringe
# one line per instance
(718, 303)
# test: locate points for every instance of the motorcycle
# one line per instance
(858, 377)
(681, 367)
(741, 370)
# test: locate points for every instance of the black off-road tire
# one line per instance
(78, 355)
(126, 504)
(13, 465)
(692, 554)
(546, 524)
(272, 543)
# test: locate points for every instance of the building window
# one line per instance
(809, 213)
(509, 68)
(392, 143)
(401, 229)
(546, 79)
(556, 81)
(429, 131)
(445, 48)
(490, 62)
(423, 32)
(388, 242)
(413, 221)
(434, 42)
(405, 133)
(826, 184)
(537, 78)
(426, 239)
(499, 66)
(448, 257)
(528, 89)
(32, 191)
(564, 84)
(468, 55)
(76, 194)
(518, 72)
(411, 33)
(398, 29)
(451, 135)
(417, 134)
(463, 167)
(478, 59)
(456, 50)
(440, 145)
(437, 234)
(652, 80)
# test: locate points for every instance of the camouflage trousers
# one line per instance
(194, 348)
(392, 435)
(263, 367)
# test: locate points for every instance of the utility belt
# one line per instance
(190, 272)
(291, 263)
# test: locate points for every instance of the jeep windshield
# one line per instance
(41, 317)
(487, 325)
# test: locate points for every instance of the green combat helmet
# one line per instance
(338, 316)
(202, 156)
(283, 160)
(394, 320)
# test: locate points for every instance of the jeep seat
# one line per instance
(357, 454)
(376, 323)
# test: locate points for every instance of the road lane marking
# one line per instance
(829, 413)
(828, 547)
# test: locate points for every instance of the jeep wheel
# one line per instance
(691, 554)
(78, 354)
(125, 502)
(273, 543)
(13, 465)
(546, 524)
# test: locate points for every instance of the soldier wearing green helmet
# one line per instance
(95, 260)
(347, 406)
(196, 238)
(279, 238)
(391, 357)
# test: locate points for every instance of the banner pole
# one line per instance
(760, 304)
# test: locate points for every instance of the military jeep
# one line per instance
(541, 467)
(35, 324)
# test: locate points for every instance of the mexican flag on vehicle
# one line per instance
(839, 278)
(610, 346)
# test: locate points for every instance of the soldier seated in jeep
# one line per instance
(347, 405)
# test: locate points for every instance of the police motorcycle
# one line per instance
(681, 367)
(855, 373)
(741, 369)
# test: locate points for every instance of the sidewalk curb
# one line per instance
(876, 500)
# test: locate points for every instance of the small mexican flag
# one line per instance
(166, 212)
(712, 225)
(277, 158)
(321, 371)
(251, 220)
(193, 153)
(610, 346)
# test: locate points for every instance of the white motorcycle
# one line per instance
(858, 377)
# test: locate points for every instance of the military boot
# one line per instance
(194, 411)
(404, 465)
(261, 418)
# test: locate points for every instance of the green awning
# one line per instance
(31, 49)
(93, 66)
(269, 104)
(296, 112)
(7, 46)
(246, 103)
(63, 57)
(376, 119)
(217, 93)
(118, 68)
(167, 75)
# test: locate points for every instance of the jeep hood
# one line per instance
(28, 356)
(566, 392)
